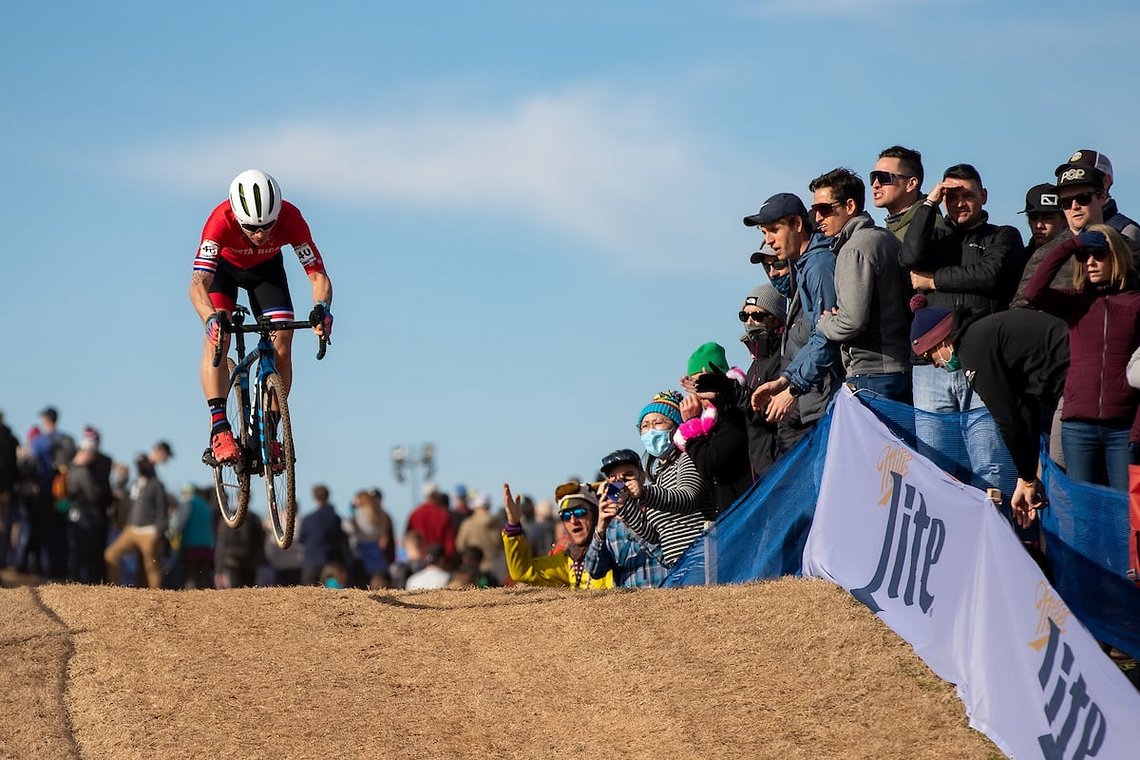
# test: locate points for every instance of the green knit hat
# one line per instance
(708, 358)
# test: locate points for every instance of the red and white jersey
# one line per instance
(222, 237)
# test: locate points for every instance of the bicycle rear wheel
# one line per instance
(231, 480)
(277, 453)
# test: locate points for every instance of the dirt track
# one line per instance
(787, 669)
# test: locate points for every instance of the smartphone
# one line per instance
(614, 490)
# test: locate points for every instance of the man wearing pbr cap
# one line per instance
(1110, 214)
(810, 289)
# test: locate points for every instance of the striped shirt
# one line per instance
(673, 508)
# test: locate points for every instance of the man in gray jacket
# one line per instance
(871, 321)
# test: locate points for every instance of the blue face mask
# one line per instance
(657, 442)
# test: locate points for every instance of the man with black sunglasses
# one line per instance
(241, 248)
(896, 186)
(871, 319)
(1097, 161)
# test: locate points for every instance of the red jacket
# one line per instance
(433, 521)
(1104, 330)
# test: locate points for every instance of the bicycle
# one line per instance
(259, 429)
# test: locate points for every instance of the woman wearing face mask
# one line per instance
(1017, 361)
(1102, 311)
(672, 508)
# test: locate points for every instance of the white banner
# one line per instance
(938, 563)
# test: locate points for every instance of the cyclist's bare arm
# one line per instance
(322, 287)
(200, 283)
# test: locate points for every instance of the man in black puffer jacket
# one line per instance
(966, 265)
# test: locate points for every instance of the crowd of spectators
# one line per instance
(939, 308)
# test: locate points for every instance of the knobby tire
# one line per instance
(231, 481)
(280, 486)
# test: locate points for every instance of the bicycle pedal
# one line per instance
(208, 458)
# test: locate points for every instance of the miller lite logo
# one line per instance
(1073, 174)
(912, 541)
(1078, 724)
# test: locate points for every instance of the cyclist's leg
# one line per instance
(270, 297)
(223, 295)
(215, 380)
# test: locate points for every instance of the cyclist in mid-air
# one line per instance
(241, 247)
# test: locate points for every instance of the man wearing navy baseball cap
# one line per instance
(810, 290)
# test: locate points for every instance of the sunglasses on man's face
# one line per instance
(258, 227)
(1082, 199)
(886, 178)
(825, 210)
(755, 316)
(569, 514)
(775, 264)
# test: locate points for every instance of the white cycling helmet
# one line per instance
(255, 198)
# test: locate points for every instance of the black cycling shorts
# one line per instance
(266, 284)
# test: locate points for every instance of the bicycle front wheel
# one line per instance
(231, 480)
(277, 454)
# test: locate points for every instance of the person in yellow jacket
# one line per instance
(578, 510)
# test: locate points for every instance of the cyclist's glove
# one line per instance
(321, 315)
(216, 324)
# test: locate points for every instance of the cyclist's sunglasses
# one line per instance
(258, 227)
(567, 514)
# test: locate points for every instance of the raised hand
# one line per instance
(512, 505)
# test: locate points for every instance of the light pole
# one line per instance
(410, 460)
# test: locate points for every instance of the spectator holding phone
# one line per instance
(614, 548)
(671, 508)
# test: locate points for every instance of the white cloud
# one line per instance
(614, 171)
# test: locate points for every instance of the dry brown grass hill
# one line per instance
(789, 669)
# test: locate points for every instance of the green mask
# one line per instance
(953, 364)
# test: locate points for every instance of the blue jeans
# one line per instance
(942, 392)
(895, 386)
(1096, 449)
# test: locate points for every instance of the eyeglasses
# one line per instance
(1098, 254)
(258, 227)
(755, 316)
(774, 263)
(1082, 199)
(567, 515)
(825, 210)
(886, 178)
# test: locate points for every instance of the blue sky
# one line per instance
(530, 212)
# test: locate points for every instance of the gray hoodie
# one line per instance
(872, 324)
